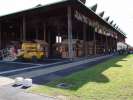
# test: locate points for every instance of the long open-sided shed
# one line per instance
(69, 27)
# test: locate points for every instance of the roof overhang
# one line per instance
(58, 4)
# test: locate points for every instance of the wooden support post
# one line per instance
(21, 32)
(106, 43)
(37, 32)
(44, 31)
(116, 41)
(101, 44)
(110, 44)
(24, 28)
(0, 36)
(103, 41)
(70, 41)
(115, 44)
(50, 44)
(94, 39)
(84, 38)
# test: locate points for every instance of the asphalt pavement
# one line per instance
(44, 73)
(41, 74)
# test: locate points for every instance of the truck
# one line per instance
(32, 51)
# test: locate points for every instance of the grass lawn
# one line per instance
(111, 80)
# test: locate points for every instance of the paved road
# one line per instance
(44, 73)
(6, 66)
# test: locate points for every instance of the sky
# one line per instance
(121, 11)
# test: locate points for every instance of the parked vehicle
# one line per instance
(32, 51)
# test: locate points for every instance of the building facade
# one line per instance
(68, 27)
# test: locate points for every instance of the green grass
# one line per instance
(111, 80)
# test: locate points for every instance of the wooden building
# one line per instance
(69, 27)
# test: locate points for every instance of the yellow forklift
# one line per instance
(33, 51)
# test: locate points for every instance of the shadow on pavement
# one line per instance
(80, 78)
(92, 75)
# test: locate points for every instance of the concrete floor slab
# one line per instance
(15, 93)
(5, 81)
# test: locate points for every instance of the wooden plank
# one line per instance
(70, 47)
(36, 32)
(0, 36)
(94, 39)
(24, 28)
(84, 38)
(107, 43)
(21, 31)
(44, 31)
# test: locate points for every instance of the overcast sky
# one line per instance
(121, 11)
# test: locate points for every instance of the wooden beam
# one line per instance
(101, 44)
(70, 47)
(36, 32)
(114, 44)
(44, 30)
(106, 43)
(94, 39)
(24, 28)
(0, 36)
(110, 44)
(116, 41)
(21, 31)
(84, 38)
